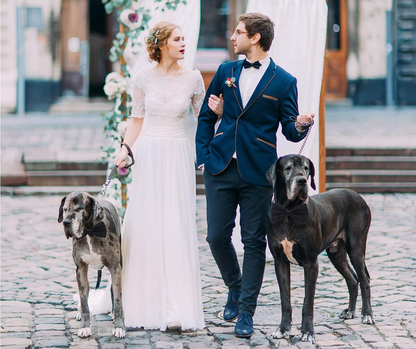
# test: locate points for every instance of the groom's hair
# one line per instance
(259, 23)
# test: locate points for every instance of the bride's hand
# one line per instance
(120, 160)
(216, 104)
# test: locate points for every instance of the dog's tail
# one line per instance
(99, 274)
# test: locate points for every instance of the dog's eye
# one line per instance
(288, 168)
(65, 209)
(306, 168)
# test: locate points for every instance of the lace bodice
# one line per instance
(165, 100)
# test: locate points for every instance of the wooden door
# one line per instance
(336, 52)
(75, 49)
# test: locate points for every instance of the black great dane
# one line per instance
(300, 227)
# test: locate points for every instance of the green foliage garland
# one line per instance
(123, 100)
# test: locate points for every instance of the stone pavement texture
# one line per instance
(38, 274)
(38, 282)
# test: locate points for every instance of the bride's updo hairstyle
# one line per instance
(158, 37)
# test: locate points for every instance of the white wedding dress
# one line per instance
(161, 275)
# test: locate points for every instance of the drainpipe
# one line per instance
(390, 62)
(21, 93)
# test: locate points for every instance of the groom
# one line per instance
(258, 95)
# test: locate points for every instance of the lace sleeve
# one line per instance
(198, 96)
(138, 110)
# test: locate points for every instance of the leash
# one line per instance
(105, 185)
(309, 124)
(113, 171)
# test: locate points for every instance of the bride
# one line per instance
(161, 276)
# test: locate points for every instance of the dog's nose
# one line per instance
(67, 222)
(301, 181)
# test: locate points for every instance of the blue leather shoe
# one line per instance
(231, 308)
(244, 326)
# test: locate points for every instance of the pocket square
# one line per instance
(270, 97)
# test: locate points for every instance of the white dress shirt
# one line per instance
(249, 79)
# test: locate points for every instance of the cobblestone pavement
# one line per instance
(38, 284)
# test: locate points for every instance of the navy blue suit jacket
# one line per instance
(250, 131)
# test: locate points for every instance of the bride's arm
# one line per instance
(198, 97)
(135, 124)
(133, 130)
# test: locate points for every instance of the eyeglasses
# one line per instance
(238, 32)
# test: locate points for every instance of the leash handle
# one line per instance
(130, 153)
(307, 135)
(114, 169)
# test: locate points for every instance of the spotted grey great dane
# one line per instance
(336, 221)
(96, 239)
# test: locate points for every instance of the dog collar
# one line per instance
(98, 230)
(299, 213)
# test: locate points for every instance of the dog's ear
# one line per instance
(272, 173)
(97, 211)
(312, 174)
(61, 210)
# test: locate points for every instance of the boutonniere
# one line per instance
(230, 82)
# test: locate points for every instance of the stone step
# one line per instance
(376, 187)
(200, 189)
(66, 178)
(64, 166)
(199, 177)
(371, 162)
(46, 191)
(330, 152)
(49, 161)
(356, 176)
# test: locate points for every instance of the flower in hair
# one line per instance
(152, 36)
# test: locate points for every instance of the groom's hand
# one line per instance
(305, 118)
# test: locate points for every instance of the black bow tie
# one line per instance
(299, 213)
(247, 64)
(98, 230)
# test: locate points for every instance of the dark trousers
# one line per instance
(223, 193)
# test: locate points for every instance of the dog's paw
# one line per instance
(367, 320)
(279, 334)
(84, 332)
(78, 317)
(347, 314)
(119, 332)
(308, 337)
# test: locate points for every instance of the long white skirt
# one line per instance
(161, 274)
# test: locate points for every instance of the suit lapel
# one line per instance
(268, 76)
(235, 72)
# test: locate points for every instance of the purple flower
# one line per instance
(133, 17)
(123, 171)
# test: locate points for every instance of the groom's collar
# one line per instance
(268, 61)
(264, 62)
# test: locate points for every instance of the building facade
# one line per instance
(60, 49)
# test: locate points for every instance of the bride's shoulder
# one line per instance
(191, 72)
(196, 75)
(143, 74)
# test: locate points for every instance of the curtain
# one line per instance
(299, 48)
